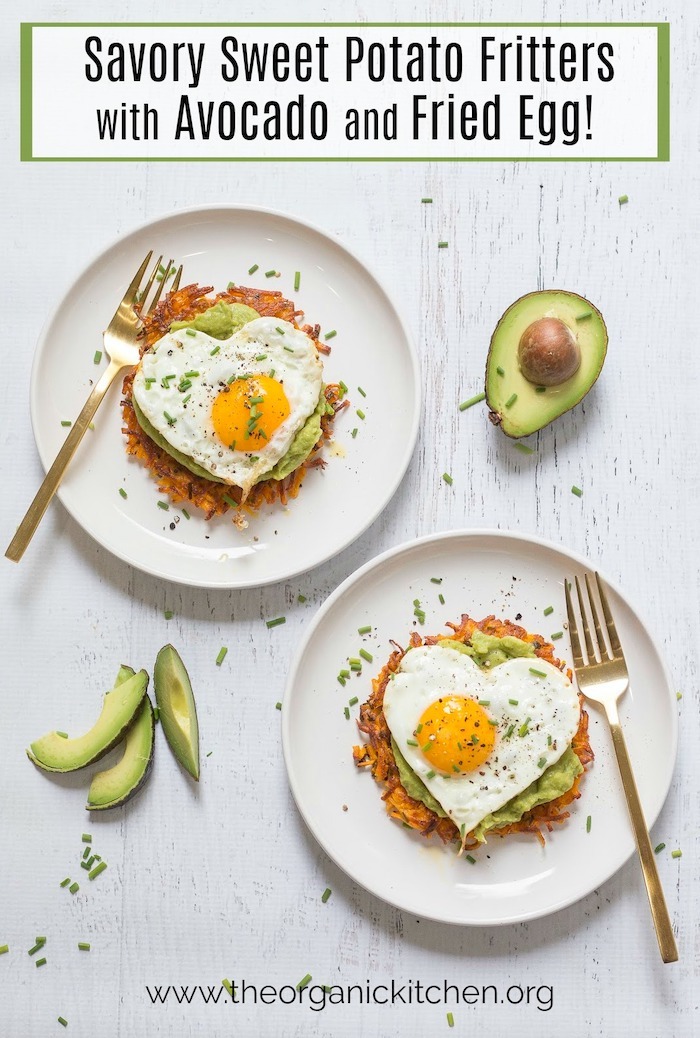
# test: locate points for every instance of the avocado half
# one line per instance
(119, 784)
(519, 406)
(178, 712)
(53, 752)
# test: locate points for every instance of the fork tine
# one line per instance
(144, 295)
(584, 620)
(132, 290)
(176, 282)
(610, 623)
(573, 630)
(159, 291)
(600, 638)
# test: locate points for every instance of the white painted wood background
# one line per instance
(225, 880)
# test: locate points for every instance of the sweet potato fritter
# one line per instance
(377, 754)
(173, 479)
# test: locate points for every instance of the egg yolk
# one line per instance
(455, 734)
(248, 412)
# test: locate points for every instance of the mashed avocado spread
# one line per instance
(221, 321)
(488, 651)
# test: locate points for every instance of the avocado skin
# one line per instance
(501, 417)
(130, 791)
(102, 750)
(170, 678)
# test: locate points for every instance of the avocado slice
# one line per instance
(178, 712)
(117, 785)
(54, 753)
(576, 329)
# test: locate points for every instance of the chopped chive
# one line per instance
(86, 854)
(584, 316)
(556, 636)
(168, 614)
(261, 356)
(227, 984)
(361, 391)
(330, 335)
(343, 388)
(278, 329)
(270, 273)
(210, 753)
(341, 681)
(447, 478)
(443, 244)
(523, 729)
(484, 702)
(353, 659)
(354, 433)
(426, 201)
(150, 381)
(62, 735)
(222, 655)
(659, 847)
(278, 705)
(231, 284)
(471, 401)
(549, 740)
(679, 695)
(251, 270)
(538, 673)
(677, 854)
(66, 423)
(65, 882)
(229, 501)
(353, 702)
(190, 331)
(164, 505)
(185, 513)
(303, 982)
(472, 861)
(548, 610)
(62, 1020)
(123, 493)
(85, 865)
(428, 746)
(37, 947)
(509, 732)
(365, 630)
(156, 714)
(98, 356)
(441, 599)
(297, 280)
(346, 711)
(94, 873)
(436, 580)
(500, 371)
(87, 838)
(513, 702)
(493, 722)
(288, 349)
(276, 622)
(326, 894)
(302, 599)
(169, 418)
(588, 824)
(256, 400)
(541, 762)
(40, 962)
(540, 389)
(212, 353)
(455, 768)
(577, 491)
(91, 426)
(91, 861)
(360, 414)
(450, 1017)
(623, 199)
(511, 400)
(4, 949)
(523, 448)
(74, 888)
(430, 774)
(411, 742)
(84, 945)
(366, 655)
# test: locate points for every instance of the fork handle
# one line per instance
(657, 903)
(26, 529)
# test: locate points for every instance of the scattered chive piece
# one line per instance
(677, 854)
(659, 847)
(85, 865)
(91, 426)
(66, 423)
(276, 622)
(450, 1017)
(330, 335)
(65, 882)
(522, 730)
(62, 735)
(513, 702)
(538, 673)
(326, 894)
(341, 680)
(623, 199)
(280, 330)
(343, 387)
(447, 478)
(168, 614)
(210, 753)
(584, 316)
(441, 599)
(156, 714)
(411, 742)
(556, 636)
(84, 945)
(511, 400)
(185, 513)
(472, 861)
(430, 774)
(436, 580)
(91, 861)
(540, 389)
(40, 962)
(354, 701)
(222, 655)
(360, 414)
(301, 598)
(278, 705)
(426, 201)
(471, 401)
(288, 349)
(251, 270)
(228, 986)
(62, 1020)
(39, 944)
(164, 505)
(123, 493)
(364, 630)
(270, 273)
(98, 356)
(428, 746)
(541, 762)
(86, 854)
(549, 740)
(361, 391)
(484, 702)
(4, 949)
(346, 711)
(94, 873)
(354, 433)
(455, 768)
(366, 655)
(501, 371)
(679, 695)
(297, 280)
(523, 448)
(588, 824)
(87, 838)
(74, 888)
(231, 284)
(510, 731)
(212, 353)
(443, 244)
(492, 722)
(577, 491)
(303, 982)
(229, 501)
(190, 331)
(353, 659)
(548, 610)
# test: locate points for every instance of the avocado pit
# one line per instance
(548, 353)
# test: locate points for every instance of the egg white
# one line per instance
(289, 352)
(429, 672)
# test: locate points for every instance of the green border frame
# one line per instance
(663, 149)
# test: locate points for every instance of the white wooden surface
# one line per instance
(224, 880)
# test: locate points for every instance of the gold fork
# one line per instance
(603, 681)
(121, 348)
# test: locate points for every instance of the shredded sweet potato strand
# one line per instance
(173, 479)
(377, 755)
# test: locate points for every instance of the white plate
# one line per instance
(372, 349)
(515, 878)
